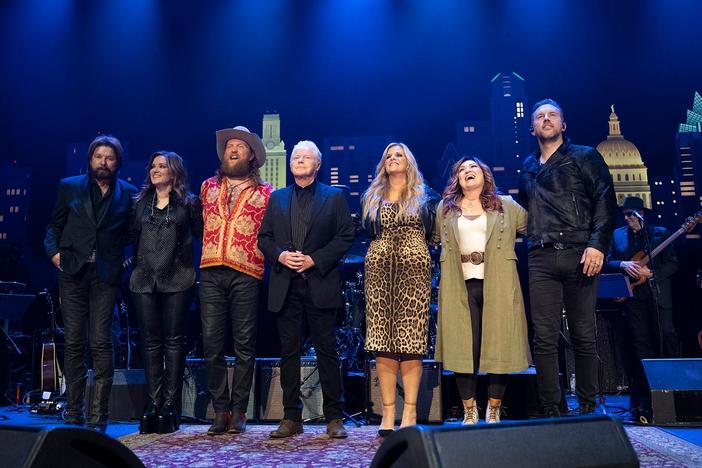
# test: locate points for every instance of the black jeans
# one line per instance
(87, 304)
(298, 306)
(556, 280)
(467, 383)
(162, 318)
(226, 293)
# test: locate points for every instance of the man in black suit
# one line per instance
(305, 232)
(649, 313)
(85, 241)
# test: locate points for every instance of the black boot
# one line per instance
(168, 420)
(149, 420)
(99, 406)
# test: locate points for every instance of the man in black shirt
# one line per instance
(85, 242)
(568, 192)
(305, 232)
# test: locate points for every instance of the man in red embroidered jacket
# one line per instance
(233, 204)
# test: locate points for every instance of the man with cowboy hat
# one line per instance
(233, 204)
(649, 313)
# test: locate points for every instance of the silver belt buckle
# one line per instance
(559, 246)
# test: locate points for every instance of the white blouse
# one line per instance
(472, 237)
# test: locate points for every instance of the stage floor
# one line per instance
(655, 446)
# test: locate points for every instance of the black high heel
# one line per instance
(168, 419)
(386, 432)
(149, 420)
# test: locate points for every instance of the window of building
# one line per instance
(626, 177)
(619, 177)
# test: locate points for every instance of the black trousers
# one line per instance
(556, 280)
(162, 318)
(648, 340)
(467, 383)
(298, 306)
(228, 294)
(87, 304)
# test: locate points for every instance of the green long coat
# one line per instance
(504, 347)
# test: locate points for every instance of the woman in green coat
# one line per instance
(481, 322)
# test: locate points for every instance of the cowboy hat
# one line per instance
(243, 134)
(633, 203)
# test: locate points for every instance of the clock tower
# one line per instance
(275, 168)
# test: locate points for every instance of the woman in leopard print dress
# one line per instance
(398, 278)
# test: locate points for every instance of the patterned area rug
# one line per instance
(656, 447)
(192, 447)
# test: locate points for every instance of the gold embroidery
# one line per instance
(213, 222)
(245, 225)
(212, 195)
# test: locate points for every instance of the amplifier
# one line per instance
(676, 390)
(270, 393)
(428, 401)
(196, 396)
(127, 397)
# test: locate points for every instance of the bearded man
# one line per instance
(85, 242)
(232, 266)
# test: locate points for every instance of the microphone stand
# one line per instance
(652, 282)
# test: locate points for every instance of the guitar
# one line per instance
(643, 259)
(52, 378)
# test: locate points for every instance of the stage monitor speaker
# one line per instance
(594, 441)
(35, 447)
(676, 390)
(127, 397)
(196, 396)
(428, 401)
(270, 396)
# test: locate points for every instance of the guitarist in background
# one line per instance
(649, 313)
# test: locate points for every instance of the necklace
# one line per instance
(232, 187)
(470, 203)
(168, 210)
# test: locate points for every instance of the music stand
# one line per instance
(614, 285)
(12, 308)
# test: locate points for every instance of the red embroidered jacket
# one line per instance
(230, 239)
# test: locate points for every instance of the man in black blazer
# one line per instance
(85, 242)
(649, 322)
(305, 232)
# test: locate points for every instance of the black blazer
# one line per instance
(73, 230)
(329, 237)
(666, 262)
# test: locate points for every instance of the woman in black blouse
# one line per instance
(164, 219)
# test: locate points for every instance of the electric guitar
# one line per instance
(643, 259)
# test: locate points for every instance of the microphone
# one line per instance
(638, 216)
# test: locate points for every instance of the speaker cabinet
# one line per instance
(595, 441)
(676, 390)
(127, 397)
(428, 401)
(196, 396)
(270, 396)
(36, 447)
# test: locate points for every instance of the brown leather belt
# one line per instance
(476, 258)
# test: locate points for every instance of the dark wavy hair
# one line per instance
(109, 141)
(453, 194)
(180, 177)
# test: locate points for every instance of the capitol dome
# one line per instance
(623, 158)
(616, 150)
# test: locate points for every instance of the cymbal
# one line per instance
(353, 259)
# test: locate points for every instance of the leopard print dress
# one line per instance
(397, 286)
